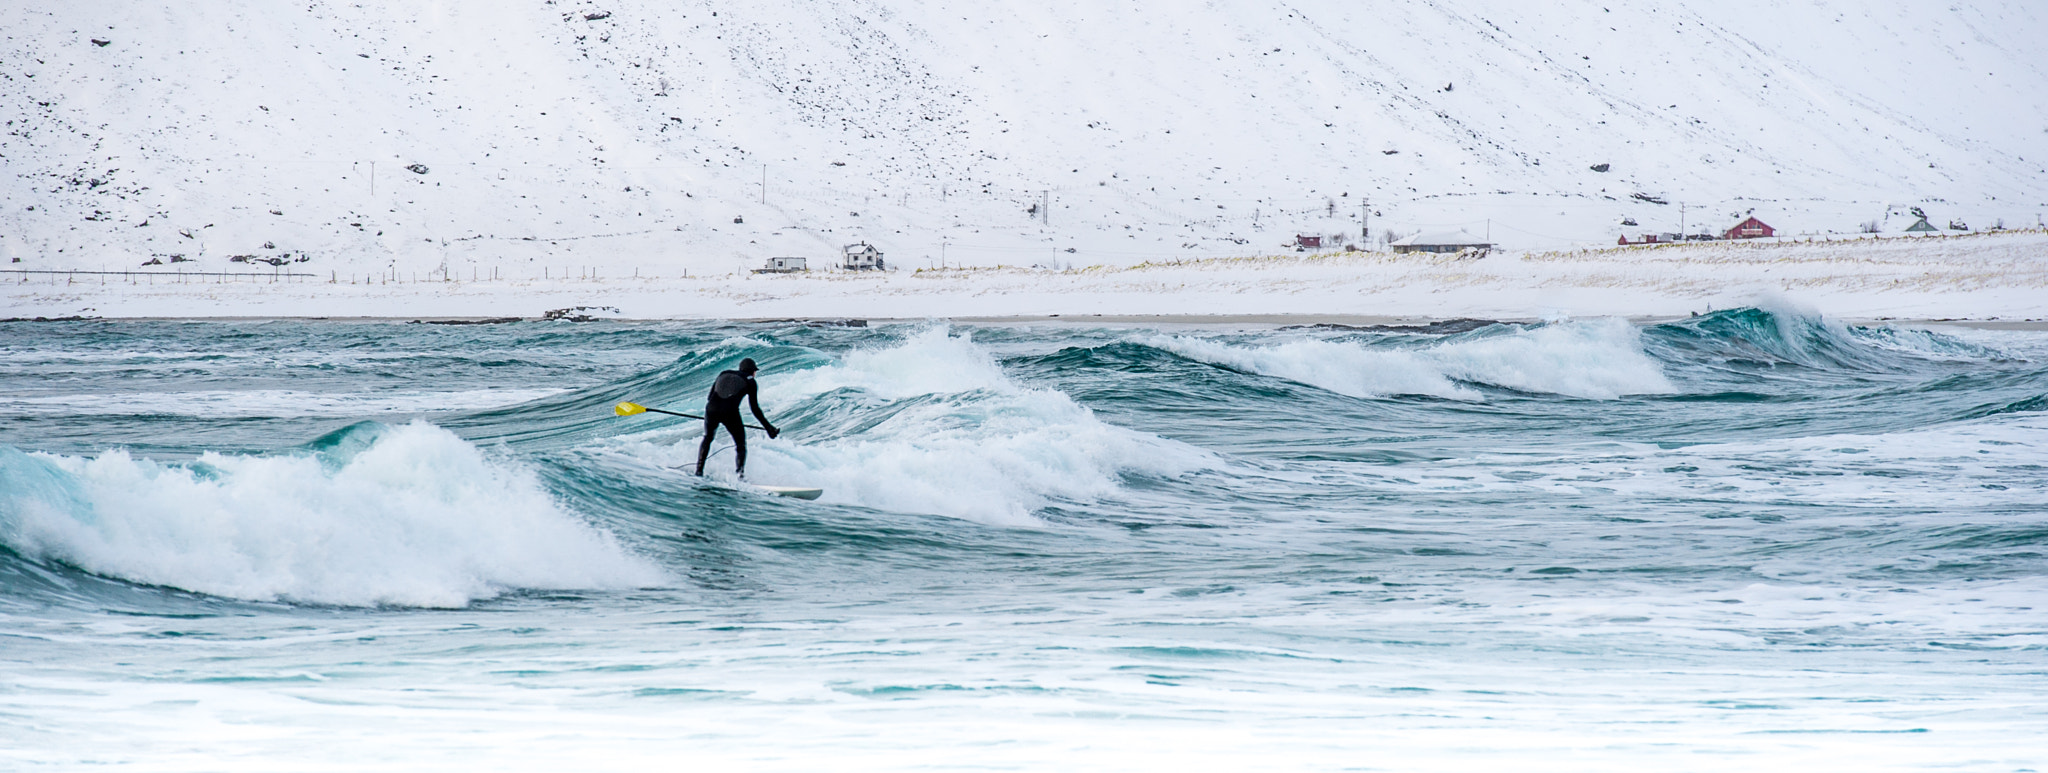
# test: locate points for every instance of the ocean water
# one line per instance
(1749, 540)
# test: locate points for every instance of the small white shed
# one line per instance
(784, 266)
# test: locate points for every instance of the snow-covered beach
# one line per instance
(1983, 277)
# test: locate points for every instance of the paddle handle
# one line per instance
(700, 418)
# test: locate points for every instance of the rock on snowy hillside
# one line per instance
(700, 134)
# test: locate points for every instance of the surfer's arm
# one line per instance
(754, 402)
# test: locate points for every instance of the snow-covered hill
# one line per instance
(672, 135)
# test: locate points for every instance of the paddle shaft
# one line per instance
(700, 418)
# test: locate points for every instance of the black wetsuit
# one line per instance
(722, 408)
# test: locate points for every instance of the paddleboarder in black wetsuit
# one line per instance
(723, 408)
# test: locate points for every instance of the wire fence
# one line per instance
(384, 276)
(69, 272)
(68, 276)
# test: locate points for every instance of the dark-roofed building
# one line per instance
(1750, 229)
(1442, 241)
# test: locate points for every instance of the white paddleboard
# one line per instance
(798, 492)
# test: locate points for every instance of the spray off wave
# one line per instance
(404, 516)
(1594, 359)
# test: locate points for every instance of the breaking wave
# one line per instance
(1594, 359)
(371, 515)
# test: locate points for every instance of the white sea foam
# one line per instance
(975, 445)
(1984, 463)
(419, 518)
(992, 460)
(1596, 359)
(1988, 462)
(278, 403)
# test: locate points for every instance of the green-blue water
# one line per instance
(1740, 540)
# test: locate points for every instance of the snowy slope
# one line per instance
(707, 135)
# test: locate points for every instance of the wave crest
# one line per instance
(405, 516)
(1594, 359)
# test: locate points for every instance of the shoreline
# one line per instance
(1987, 281)
(1262, 321)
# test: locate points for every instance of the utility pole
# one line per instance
(764, 183)
(1045, 208)
(1365, 221)
(1681, 221)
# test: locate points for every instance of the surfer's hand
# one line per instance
(772, 432)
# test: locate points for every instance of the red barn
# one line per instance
(1750, 229)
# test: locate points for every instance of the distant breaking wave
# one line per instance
(1595, 359)
(1780, 338)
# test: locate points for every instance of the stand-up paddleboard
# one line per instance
(798, 492)
(793, 492)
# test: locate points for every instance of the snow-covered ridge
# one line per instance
(708, 135)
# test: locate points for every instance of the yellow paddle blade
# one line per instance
(628, 409)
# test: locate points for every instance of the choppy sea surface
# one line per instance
(1741, 541)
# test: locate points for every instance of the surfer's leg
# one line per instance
(704, 448)
(739, 442)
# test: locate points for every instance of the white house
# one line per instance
(863, 257)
